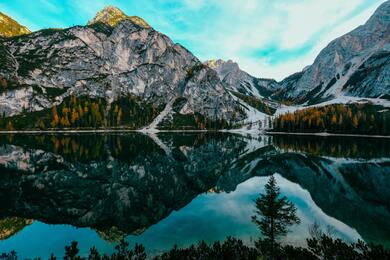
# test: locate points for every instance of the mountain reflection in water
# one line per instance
(180, 188)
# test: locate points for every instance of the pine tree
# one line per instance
(273, 215)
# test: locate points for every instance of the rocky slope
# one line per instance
(356, 64)
(114, 56)
(118, 56)
(240, 81)
(252, 93)
(9, 27)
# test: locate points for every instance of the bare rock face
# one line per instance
(341, 67)
(114, 56)
(206, 84)
(240, 81)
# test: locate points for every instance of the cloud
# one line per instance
(268, 38)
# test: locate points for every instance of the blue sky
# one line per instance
(268, 38)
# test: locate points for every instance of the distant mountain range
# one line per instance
(135, 73)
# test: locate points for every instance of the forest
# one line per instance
(84, 112)
(348, 119)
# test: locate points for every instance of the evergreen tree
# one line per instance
(274, 214)
(72, 251)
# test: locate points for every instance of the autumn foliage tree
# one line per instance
(353, 119)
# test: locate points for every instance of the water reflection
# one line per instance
(179, 188)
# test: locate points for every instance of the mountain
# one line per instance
(356, 64)
(240, 81)
(112, 16)
(252, 93)
(9, 27)
(118, 71)
(116, 60)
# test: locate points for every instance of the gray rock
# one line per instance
(104, 61)
(329, 76)
(240, 81)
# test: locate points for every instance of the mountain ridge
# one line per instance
(9, 27)
(339, 60)
(123, 61)
(111, 16)
(120, 58)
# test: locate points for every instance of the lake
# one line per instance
(179, 188)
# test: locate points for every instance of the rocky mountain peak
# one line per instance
(381, 16)
(355, 64)
(9, 27)
(111, 16)
(240, 81)
(222, 65)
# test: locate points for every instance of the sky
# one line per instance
(268, 38)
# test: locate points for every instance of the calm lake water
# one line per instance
(167, 189)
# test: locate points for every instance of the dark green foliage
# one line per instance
(102, 28)
(178, 104)
(85, 113)
(29, 61)
(49, 32)
(256, 103)
(51, 93)
(193, 122)
(350, 119)
(274, 214)
(194, 69)
(230, 249)
(122, 252)
(9, 256)
(5, 57)
(81, 112)
(335, 146)
(326, 247)
(72, 251)
(318, 248)
(133, 112)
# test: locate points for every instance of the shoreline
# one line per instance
(327, 134)
(91, 131)
(154, 131)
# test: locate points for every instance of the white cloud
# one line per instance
(240, 29)
(268, 38)
(304, 19)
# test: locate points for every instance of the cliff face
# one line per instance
(240, 81)
(117, 56)
(112, 57)
(356, 64)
